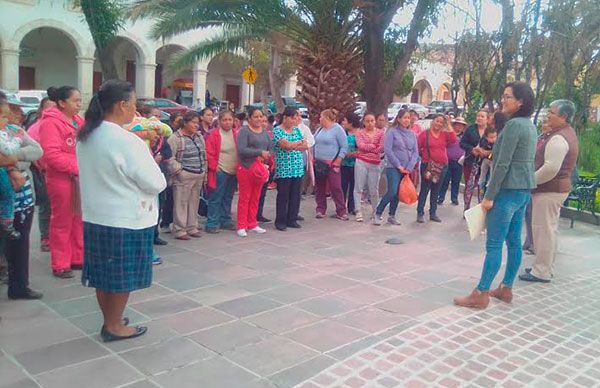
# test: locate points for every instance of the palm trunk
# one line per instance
(107, 63)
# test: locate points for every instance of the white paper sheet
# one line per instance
(475, 217)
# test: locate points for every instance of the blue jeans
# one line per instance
(219, 201)
(504, 222)
(453, 175)
(391, 196)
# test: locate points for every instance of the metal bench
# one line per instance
(583, 196)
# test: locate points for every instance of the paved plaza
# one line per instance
(330, 305)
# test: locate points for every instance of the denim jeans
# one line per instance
(428, 188)
(393, 177)
(451, 178)
(504, 222)
(219, 201)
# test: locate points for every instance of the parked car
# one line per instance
(291, 102)
(441, 106)
(33, 97)
(420, 109)
(164, 105)
(27, 108)
(393, 109)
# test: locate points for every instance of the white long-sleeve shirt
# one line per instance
(119, 180)
(554, 155)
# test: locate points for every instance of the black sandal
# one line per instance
(110, 337)
(529, 277)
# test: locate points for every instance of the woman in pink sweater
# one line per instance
(369, 147)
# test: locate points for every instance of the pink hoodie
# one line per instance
(58, 138)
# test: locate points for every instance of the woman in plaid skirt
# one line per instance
(119, 183)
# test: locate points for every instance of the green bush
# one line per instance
(589, 150)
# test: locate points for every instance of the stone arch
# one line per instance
(444, 92)
(144, 52)
(422, 92)
(78, 41)
(176, 85)
(224, 80)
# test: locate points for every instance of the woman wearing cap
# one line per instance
(454, 172)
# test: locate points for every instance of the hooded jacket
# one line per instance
(58, 138)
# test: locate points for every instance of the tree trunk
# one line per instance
(107, 63)
(373, 57)
(275, 81)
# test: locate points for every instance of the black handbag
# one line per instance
(322, 168)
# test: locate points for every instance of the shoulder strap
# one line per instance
(427, 144)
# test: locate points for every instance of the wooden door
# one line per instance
(158, 81)
(130, 72)
(97, 81)
(232, 94)
(26, 78)
(414, 97)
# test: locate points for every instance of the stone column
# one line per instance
(85, 78)
(199, 93)
(144, 79)
(245, 94)
(289, 89)
(9, 74)
(251, 97)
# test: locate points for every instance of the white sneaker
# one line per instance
(258, 230)
(242, 233)
(377, 219)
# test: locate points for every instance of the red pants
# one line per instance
(248, 198)
(66, 228)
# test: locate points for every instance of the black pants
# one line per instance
(165, 202)
(348, 187)
(288, 201)
(431, 189)
(17, 254)
(263, 194)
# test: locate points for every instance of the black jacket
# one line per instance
(468, 141)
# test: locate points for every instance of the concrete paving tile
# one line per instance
(36, 335)
(430, 276)
(91, 374)
(330, 283)
(216, 294)
(365, 274)
(74, 307)
(189, 280)
(153, 292)
(325, 335)
(141, 384)
(247, 305)
(163, 356)
(408, 305)
(366, 294)
(403, 284)
(59, 294)
(167, 305)
(260, 283)
(195, 320)
(354, 347)
(59, 355)
(291, 293)
(231, 273)
(25, 383)
(371, 320)
(327, 306)
(292, 376)
(283, 319)
(11, 373)
(270, 356)
(230, 336)
(212, 373)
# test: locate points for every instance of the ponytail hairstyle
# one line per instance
(60, 94)
(110, 93)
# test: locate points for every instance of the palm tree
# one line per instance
(320, 35)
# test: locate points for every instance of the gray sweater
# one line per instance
(329, 142)
(250, 145)
(513, 158)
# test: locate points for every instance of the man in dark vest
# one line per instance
(555, 160)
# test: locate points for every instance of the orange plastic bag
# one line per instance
(407, 193)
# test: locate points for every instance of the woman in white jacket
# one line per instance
(119, 183)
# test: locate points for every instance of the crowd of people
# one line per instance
(104, 195)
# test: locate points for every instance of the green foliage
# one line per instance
(471, 112)
(589, 150)
(105, 18)
(393, 50)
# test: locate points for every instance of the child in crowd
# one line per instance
(9, 146)
(485, 162)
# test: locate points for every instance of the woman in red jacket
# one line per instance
(221, 155)
(58, 132)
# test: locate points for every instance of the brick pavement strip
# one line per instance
(494, 366)
(302, 307)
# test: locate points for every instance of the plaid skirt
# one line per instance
(117, 259)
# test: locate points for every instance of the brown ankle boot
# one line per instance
(503, 293)
(476, 300)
